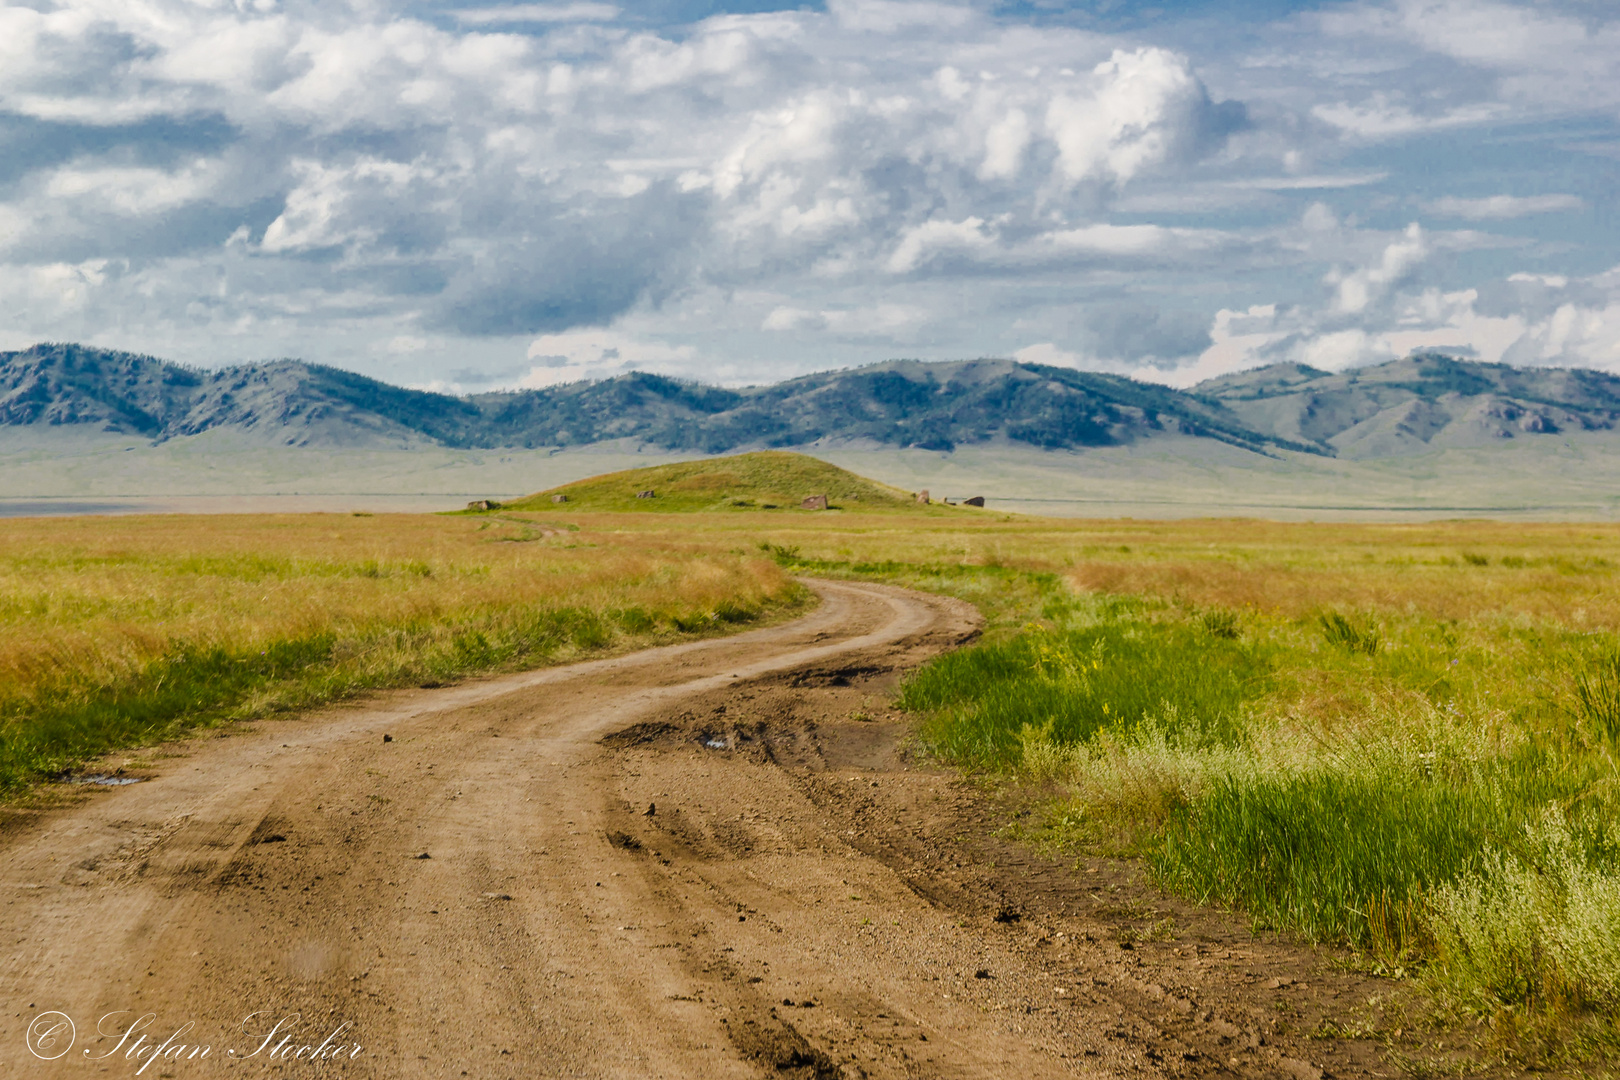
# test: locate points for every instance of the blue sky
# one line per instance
(472, 195)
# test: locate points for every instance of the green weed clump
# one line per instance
(1222, 624)
(1597, 699)
(1340, 631)
(1075, 683)
(1348, 851)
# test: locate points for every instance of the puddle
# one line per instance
(104, 780)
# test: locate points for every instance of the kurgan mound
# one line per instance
(764, 480)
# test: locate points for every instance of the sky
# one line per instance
(469, 195)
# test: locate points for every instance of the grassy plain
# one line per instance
(1401, 739)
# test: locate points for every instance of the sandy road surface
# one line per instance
(464, 896)
(485, 894)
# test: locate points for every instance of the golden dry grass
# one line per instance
(88, 601)
(1531, 574)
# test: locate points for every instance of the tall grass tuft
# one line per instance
(1345, 634)
(1344, 854)
(1597, 698)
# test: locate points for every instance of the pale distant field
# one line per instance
(1571, 478)
(225, 472)
(1575, 478)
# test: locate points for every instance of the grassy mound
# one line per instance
(765, 480)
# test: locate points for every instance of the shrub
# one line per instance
(1535, 927)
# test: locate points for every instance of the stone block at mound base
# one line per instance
(645, 495)
(922, 496)
(814, 502)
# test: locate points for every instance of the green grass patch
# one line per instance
(1349, 852)
(1112, 676)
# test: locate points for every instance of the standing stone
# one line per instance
(814, 502)
(922, 496)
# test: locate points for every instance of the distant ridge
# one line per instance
(1428, 400)
(933, 406)
(1390, 409)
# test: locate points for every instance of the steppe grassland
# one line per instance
(1400, 738)
(117, 631)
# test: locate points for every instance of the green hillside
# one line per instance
(763, 481)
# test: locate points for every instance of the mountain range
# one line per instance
(1398, 408)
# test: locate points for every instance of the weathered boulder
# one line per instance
(922, 496)
(646, 495)
(977, 500)
(814, 502)
(483, 504)
(559, 498)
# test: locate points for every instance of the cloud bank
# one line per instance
(529, 193)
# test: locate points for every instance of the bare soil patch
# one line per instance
(779, 796)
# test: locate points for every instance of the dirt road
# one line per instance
(708, 860)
